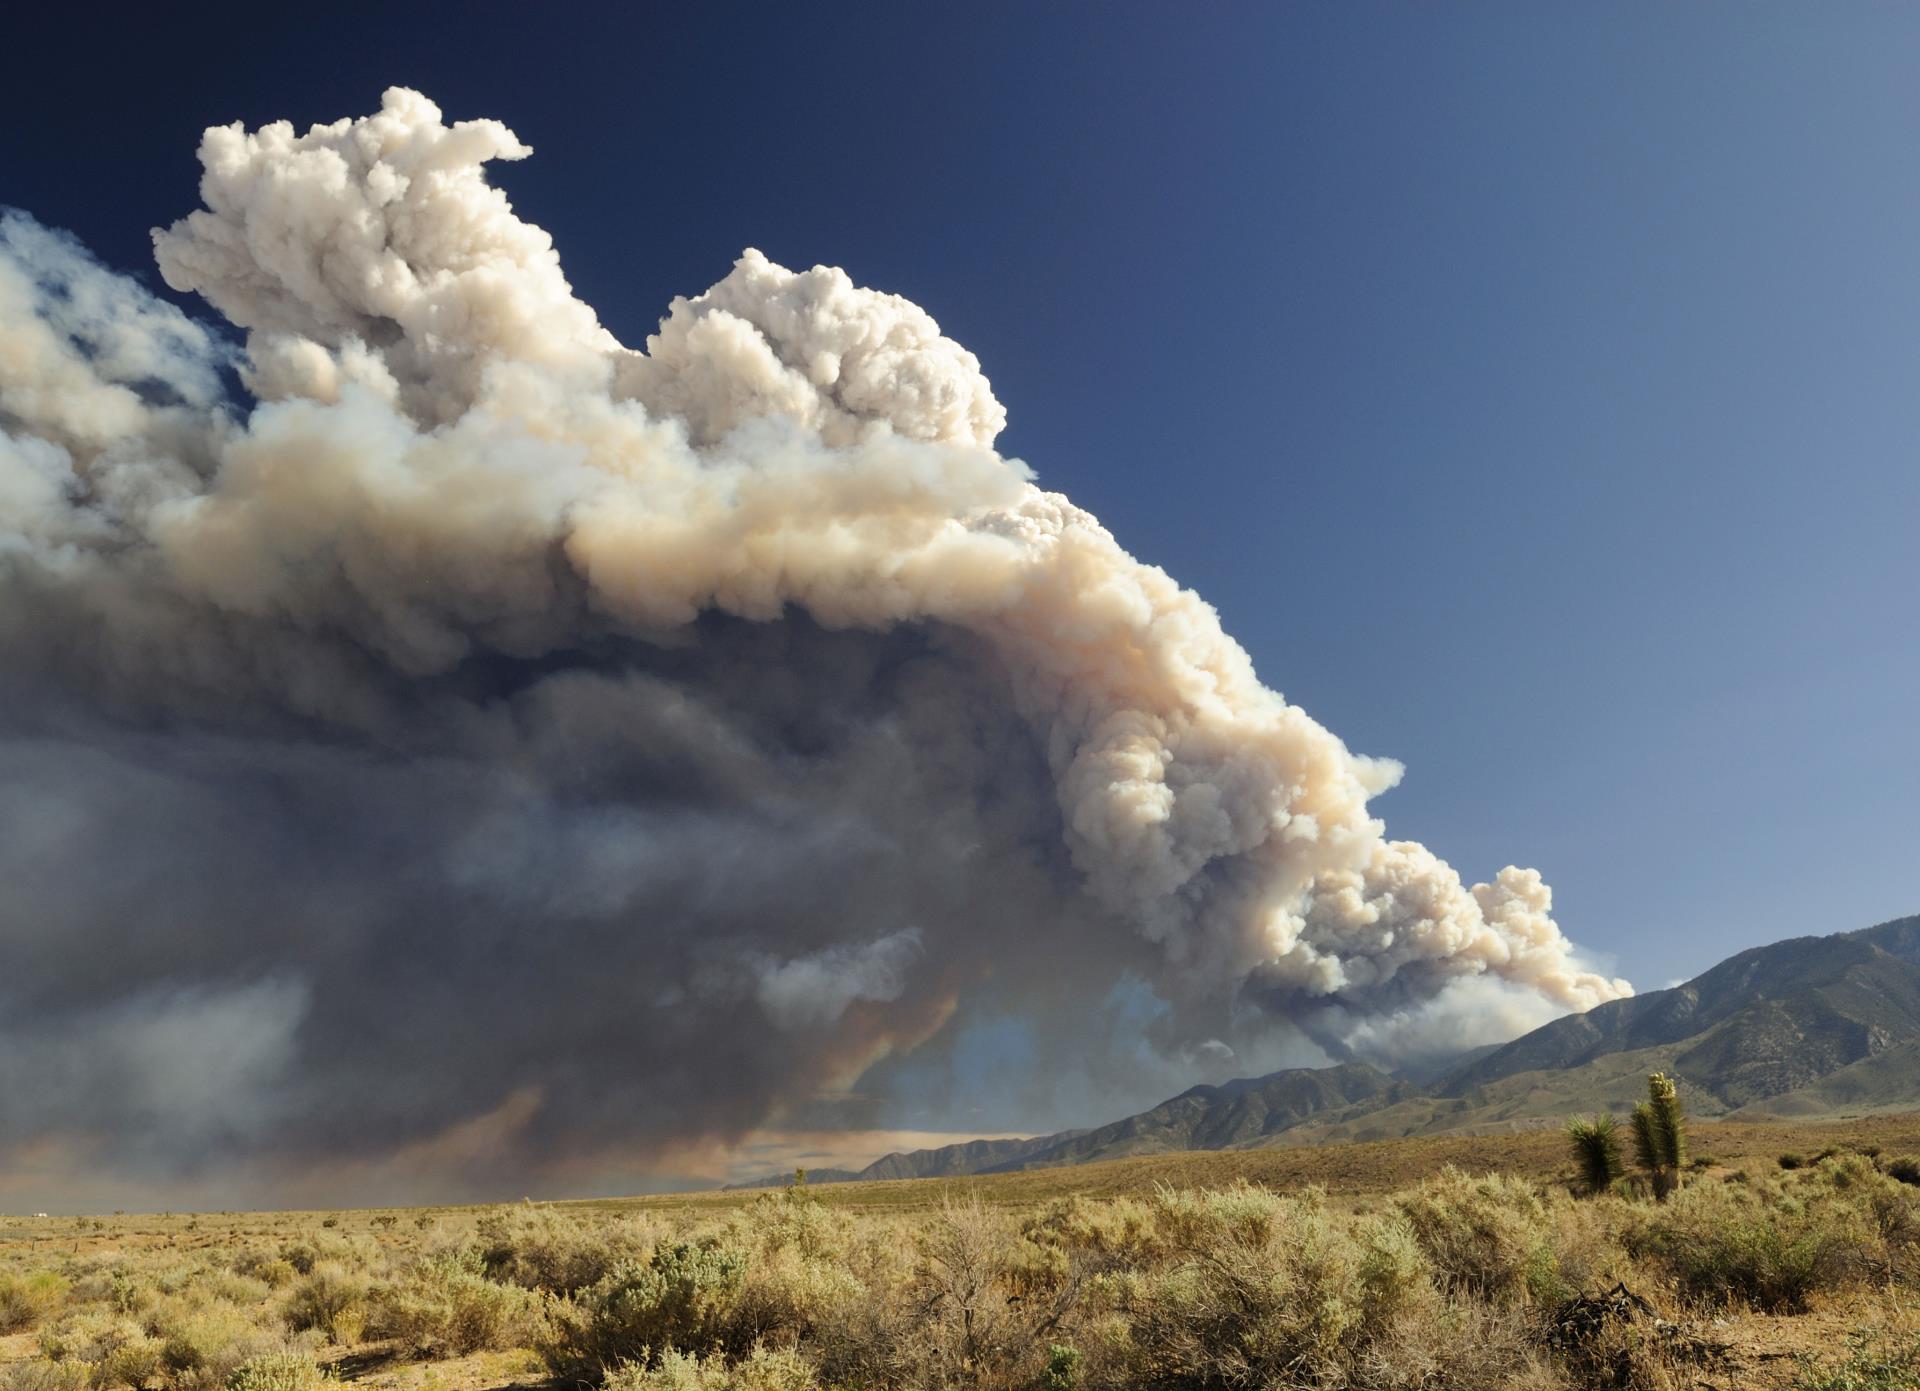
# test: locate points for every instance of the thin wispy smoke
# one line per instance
(468, 706)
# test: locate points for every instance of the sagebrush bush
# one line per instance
(759, 1370)
(1463, 1346)
(1261, 1290)
(87, 1336)
(278, 1371)
(273, 1271)
(39, 1374)
(541, 1249)
(27, 1299)
(786, 1297)
(444, 1306)
(972, 1330)
(792, 1219)
(1766, 1248)
(1871, 1364)
(331, 1300)
(202, 1343)
(1487, 1236)
(134, 1364)
(679, 1298)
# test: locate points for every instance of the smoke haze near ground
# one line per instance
(442, 745)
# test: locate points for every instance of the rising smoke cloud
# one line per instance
(469, 707)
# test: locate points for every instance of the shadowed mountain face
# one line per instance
(1807, 1027)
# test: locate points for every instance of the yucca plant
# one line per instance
(1596, 1151)
(1660, 1135)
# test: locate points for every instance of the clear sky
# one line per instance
(1531, 388)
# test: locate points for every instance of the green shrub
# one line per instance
(1792, 1161)
(677, 1299)
(1489, 1237)
(232, 1287)
(792, 1219)
(202, 1344)
(273, 1271)
(39, 1374)
(278, 1371)
(87, 1337)
(785, 1296)
(1767, 1250)
(1265, 1290)
(542, 1249)
(136, 1363)
(27, 1299)
(1062, 1372)
(760, 1370)
(330, 1300)
(1871, 1365)
(444, 1306)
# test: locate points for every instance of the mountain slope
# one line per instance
(1811, 1026)
(951, 1161)
(1762, 1023)
(1242, 1112)
(1883, 1082)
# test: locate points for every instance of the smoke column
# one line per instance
(468, 725)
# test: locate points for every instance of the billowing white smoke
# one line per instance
(452, 459)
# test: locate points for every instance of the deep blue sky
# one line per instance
(1532, 388)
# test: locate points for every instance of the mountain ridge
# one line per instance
(1808, 1025)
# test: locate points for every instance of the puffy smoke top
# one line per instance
(813, 348)
(452, 470)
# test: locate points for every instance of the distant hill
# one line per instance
(1230, 1116)
(973, 1157)
(1806, 1028)
(1237, 1113)
(813, 1176)
(947, 1161)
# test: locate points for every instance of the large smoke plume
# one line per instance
(432, 714)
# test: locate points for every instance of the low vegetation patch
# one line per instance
(26, 1299)
(1463, 1279)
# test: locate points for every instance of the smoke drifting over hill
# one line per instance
(491, 725)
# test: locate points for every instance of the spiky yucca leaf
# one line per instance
(1669, 1120)
(1646, 1139)
(1596, 1151)
(1660, 1134)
